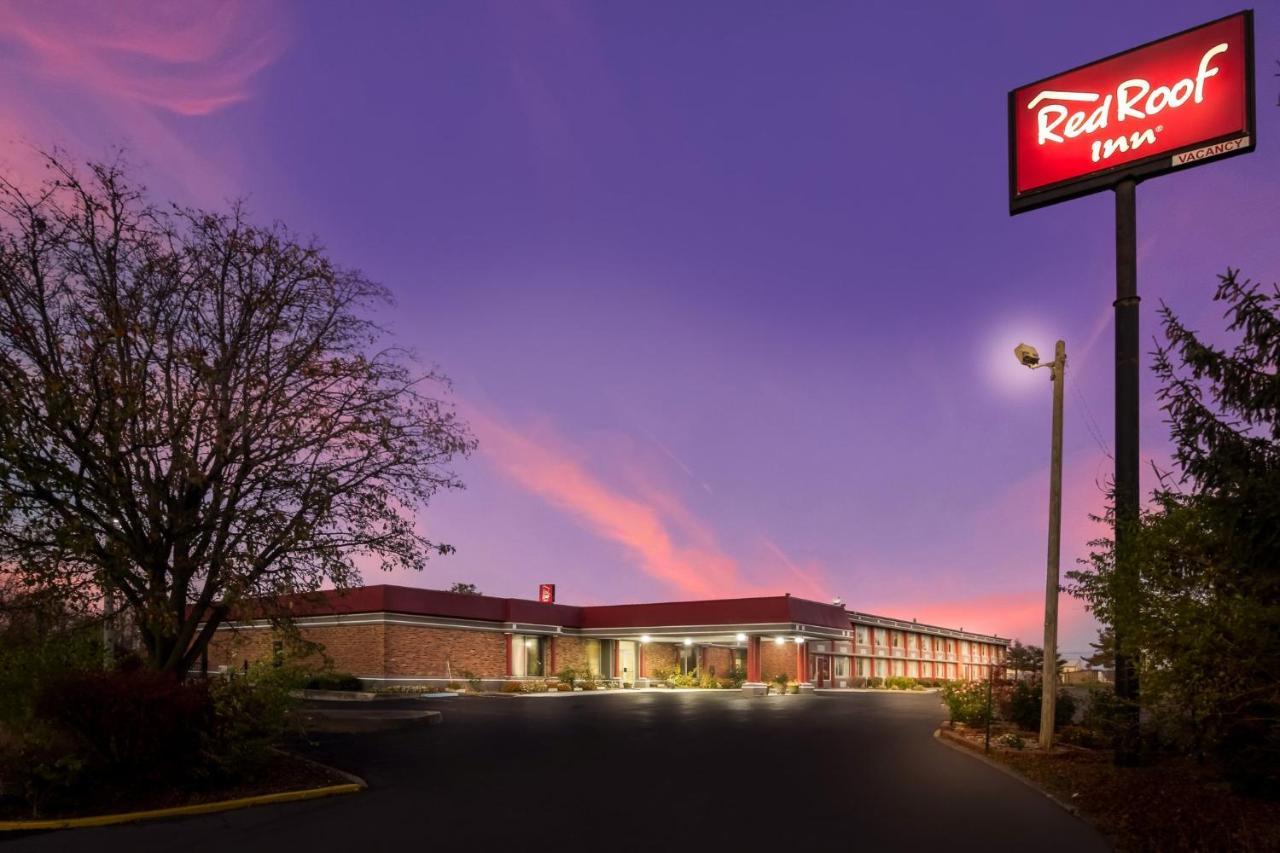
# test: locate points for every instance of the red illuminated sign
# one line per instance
(1175, 102)
(547, 593)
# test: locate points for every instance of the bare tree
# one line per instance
(195, 410)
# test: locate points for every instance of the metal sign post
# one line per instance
(1126, 474)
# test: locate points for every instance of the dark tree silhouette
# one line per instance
(195, 410)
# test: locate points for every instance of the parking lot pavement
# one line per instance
(650, 771)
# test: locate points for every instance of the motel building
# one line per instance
(405, 635)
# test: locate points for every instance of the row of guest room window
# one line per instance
(912, 642)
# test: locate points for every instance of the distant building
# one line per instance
(395, 634)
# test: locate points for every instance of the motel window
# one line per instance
(841, 668)
(599, 654)
(739, 657)
(895, 636)
(688, 659)
(528, 654)
(880, 637)
(592, 650)
(862, 635)
(880, 669)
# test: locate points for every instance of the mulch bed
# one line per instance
(282, 772)
(1169, 804)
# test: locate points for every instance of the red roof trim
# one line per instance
(385, 598)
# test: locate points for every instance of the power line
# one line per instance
(1087, 418)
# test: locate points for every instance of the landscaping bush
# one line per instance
(1012, 739)
(875, 683)
(781, 680)
(683, 679)
(736, 677)
(900, 682)
(1080, 736)
(40, 767)
(29, 659)
(333, 681)
(250, 716)
(1023, 707)
(567, 675)
(966, 701)
(512, 687)
(137, 725)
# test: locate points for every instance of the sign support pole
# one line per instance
(1126, 473)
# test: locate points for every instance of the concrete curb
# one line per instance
(334, 695)
(184, 811)
(946, 741)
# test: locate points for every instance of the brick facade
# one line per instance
(384, 633)
(413, 652)
(776, 659)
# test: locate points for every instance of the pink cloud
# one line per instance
(88, 76)
(186, 59)
(653, 526)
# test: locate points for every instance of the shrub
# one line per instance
(1022, 708)
(1012, 739)
(473, 681)
(966, 701)
(250, 715)
(683, 679)
(28, 659)
(137, 724)
(900, 682)
(1079, 736)
(567, 675)
(564, 687)
(512, 687)
(333, 681)
(781, 680)
(736, 677)
(876, 682)
(40, 767)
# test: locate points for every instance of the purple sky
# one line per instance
(729, 291)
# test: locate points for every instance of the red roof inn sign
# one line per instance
(1175, 102)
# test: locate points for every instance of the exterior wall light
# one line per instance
(777, 641)
(741, 638)
(688, 642)
(799, 641)
(644, 638)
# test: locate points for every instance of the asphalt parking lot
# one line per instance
(649, 771)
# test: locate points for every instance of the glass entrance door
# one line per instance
(627, 661)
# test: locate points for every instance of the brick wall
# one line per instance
(659, 656)
(775, 659)
(414, 652)
(718, 660)
(373, 651)
(571, 652)
(357, 649)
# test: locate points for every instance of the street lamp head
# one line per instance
(1026, 355)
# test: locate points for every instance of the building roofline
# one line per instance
(913, 624)
(411, 600)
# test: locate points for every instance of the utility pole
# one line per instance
(1049, 690)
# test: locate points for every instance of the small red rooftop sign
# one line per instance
(547, 593)
(1179, 101)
